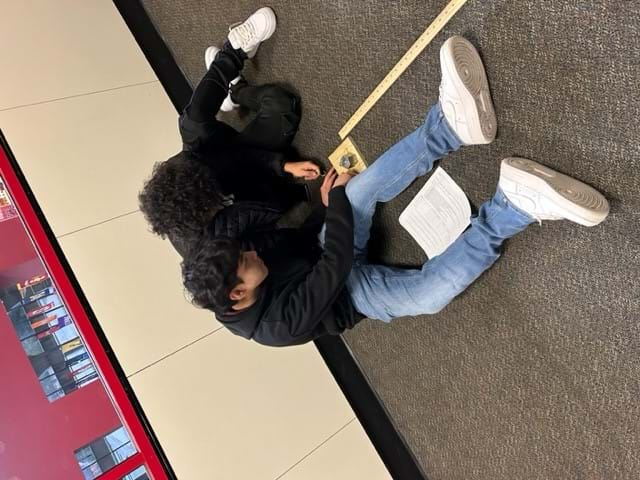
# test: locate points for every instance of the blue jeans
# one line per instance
(384, 293)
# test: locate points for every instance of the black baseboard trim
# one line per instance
(156, 52)
(368, 408)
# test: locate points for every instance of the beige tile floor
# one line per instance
(133, 278)
(98, 149)
(222, 407)
(65, 48)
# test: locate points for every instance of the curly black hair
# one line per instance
(209, 272)
(180, 197)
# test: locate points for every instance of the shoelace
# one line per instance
(246, 32)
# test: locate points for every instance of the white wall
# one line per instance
(86, 119)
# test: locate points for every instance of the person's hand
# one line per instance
(327, 185)
(333, 180)
(303, 169)
(344, 178)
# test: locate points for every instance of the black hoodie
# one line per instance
(304, 295)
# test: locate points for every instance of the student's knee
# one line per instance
(435, 302)
(429, 300)
(424, 308)
(278, 101)
(434, 308)
(359, 191)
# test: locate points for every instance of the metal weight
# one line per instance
(346, 161)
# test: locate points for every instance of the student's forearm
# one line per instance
(309, 303)
(339, 228)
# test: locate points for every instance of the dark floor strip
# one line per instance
(156, 51)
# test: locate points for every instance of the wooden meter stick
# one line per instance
(406, 60)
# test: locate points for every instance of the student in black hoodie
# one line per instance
(278, 297)
(219, 166)
(294, 292)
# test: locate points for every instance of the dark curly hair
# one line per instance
(209, 273)
(181, 196)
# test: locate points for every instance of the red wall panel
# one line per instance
(39, 437)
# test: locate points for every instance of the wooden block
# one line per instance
(347, 147)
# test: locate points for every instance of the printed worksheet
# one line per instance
(438, 214)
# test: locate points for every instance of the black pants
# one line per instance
(277, 111)
(249, 164)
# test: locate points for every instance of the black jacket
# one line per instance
(249, 173)
(253, 224)
(252, 176)
(304, 295)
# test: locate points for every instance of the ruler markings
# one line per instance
(410, 55)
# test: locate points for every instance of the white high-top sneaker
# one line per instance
(464, 93)
(545, 194)
(209, 56)
(248, 35)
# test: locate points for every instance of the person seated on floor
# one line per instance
(290, 295)
(220, 166)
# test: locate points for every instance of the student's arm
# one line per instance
(235, 220)
(282, 165)
(252, 223)
(264, 159)
(310, 301)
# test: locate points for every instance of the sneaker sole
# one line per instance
(577, 201)
(210, 55)
(463, 63)
(229, 105)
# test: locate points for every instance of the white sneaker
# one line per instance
(464, 93)
(545, 194)
(209, 56)
(248, 35)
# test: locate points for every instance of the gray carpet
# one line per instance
(533, 373)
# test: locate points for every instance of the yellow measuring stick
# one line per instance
(406, 60)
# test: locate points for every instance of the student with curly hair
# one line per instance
(297, 292)
(219, 166)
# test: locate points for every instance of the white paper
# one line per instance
(438, 214)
